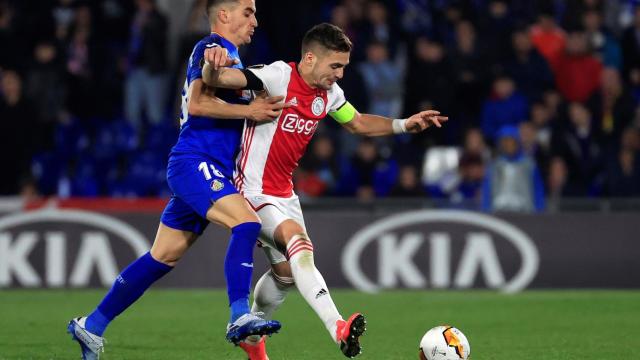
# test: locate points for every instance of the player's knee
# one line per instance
(249, 229)
(281, 273)
(300, 248)
(166, 256)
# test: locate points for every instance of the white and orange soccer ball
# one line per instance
(444, 343)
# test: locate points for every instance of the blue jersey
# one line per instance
(215, 139)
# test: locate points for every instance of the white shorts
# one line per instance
(273, 211)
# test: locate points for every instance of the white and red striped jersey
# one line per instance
(270, 151)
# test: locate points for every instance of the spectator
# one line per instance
(349, 15)
(548, 38)
(505, 107)
(469, 68)
(364, 164)
(17, 123)
(470, 175)
(430, 71)
(557, 179)
(320, 169)
(553, 100)
(44, 83)
(542, 120)
(581, 151)
(623, 173)
(63, 15)
(532, 148)
(527, 67)
(512, 181)
(615, 107)
(577, 72)
(383, 81)
(496, 26)
(603, 43)
(80, 65)
(408, 183)
(631, 44)
(379, 27)
(145, 88)
(634, 80)
(369, 174)
(8, 38)
(474, 144)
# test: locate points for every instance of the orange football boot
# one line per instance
(348, 334)
(255, 351)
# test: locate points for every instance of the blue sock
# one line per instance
(238, 266)
(128, 287)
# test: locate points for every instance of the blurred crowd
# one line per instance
(543, 96)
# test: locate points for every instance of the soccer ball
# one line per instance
(444, 343)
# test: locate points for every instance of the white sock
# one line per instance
(268, 295)
(270, 292)
(310, 282)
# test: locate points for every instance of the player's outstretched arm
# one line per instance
(203, 102)
(374, 125)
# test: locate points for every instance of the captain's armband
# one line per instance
(344, 113)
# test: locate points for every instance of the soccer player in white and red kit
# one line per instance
(270, 153)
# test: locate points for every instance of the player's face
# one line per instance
(329, 68)
(242, 20)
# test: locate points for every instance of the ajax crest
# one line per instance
(317, 107)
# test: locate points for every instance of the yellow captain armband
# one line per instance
(344, 114)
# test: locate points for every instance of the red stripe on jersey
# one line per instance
(248, 139)
(243, 153)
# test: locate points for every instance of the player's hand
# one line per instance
(218, 57)
(424, 120)
(264, 109)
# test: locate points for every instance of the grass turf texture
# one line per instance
(189, 324)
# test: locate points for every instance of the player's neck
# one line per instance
(306, 76)
(226, 36)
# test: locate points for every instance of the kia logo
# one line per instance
(399, 239)
(24, 234)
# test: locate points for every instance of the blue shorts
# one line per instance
(196, 184)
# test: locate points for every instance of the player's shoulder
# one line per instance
(276, 65)
(209, 41)
(335, 89)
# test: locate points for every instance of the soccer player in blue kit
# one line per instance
(199, 173)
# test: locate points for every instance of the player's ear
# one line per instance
(309, 58)
(223, 16)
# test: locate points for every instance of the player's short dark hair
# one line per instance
(328, 36)
(213, 3)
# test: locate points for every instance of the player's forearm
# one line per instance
(371, 125)
(226, 78)
(214, 107)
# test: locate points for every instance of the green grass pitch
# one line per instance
(189, 324)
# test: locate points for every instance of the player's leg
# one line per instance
(308, 280)
(272, 288)
(233, 212)
(283, 230)
(169, 246)
(213, 197)
(311, 284)
(269, 293)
